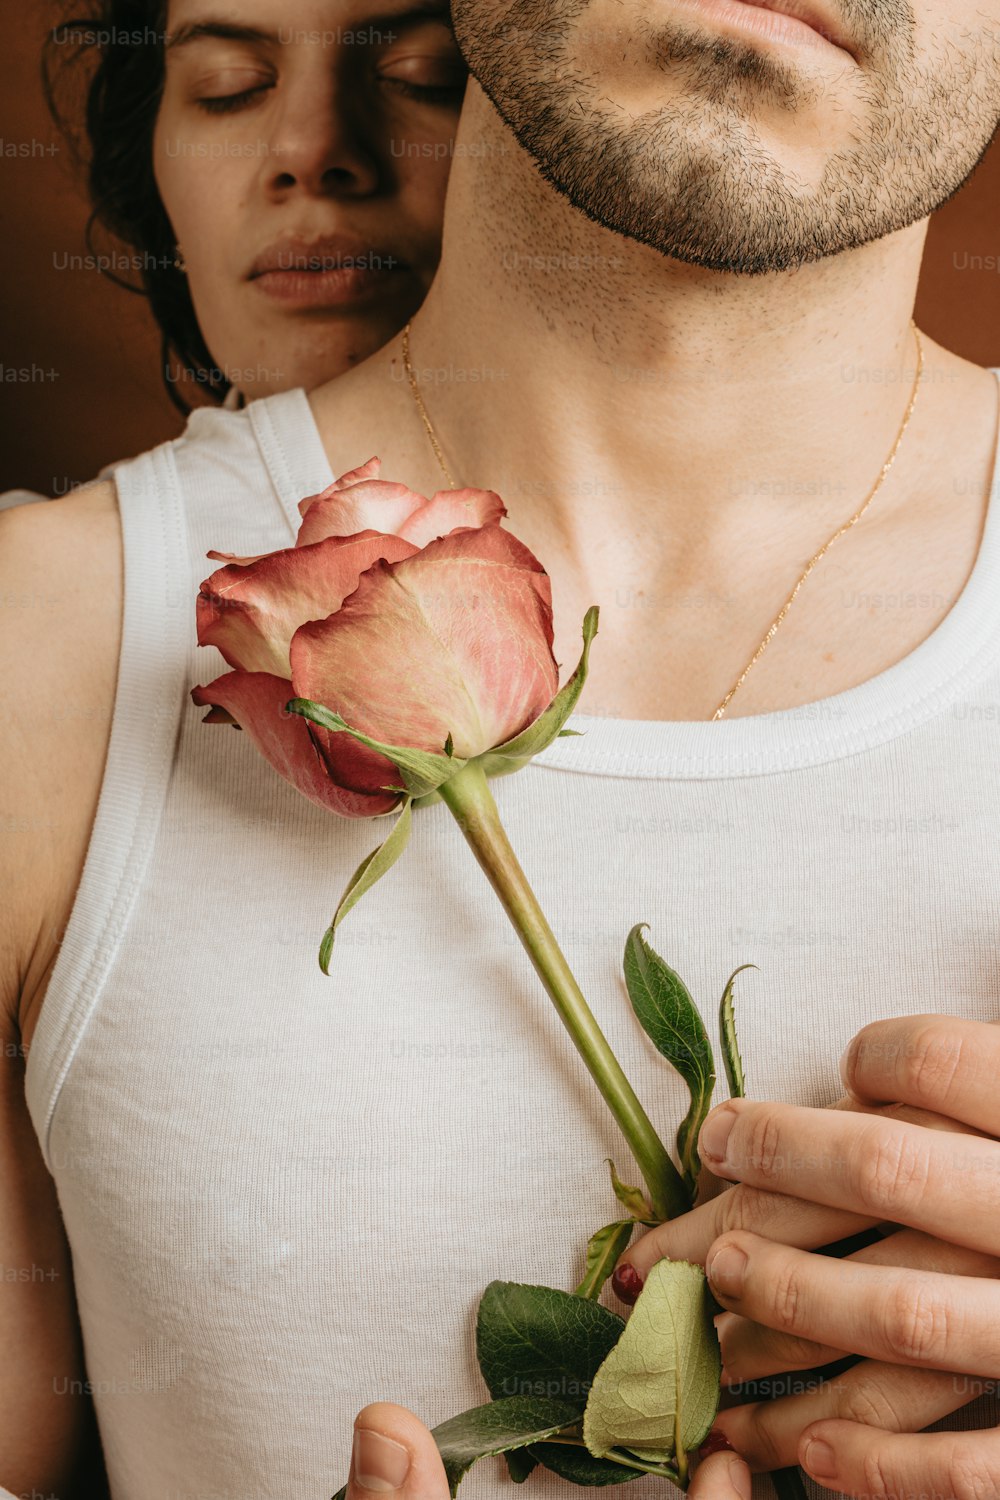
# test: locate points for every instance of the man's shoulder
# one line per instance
(42, 547)
(954, 370)
(60, 564)
(60, 598)
(956, 426)
(22, 510)
(60, 607)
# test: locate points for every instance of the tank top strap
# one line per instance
(291, 447)
(149, 697)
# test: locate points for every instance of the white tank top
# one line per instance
(284, 1193)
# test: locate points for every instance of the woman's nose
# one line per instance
(320, 144)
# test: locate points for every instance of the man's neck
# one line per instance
(664, 435)
(599, 359)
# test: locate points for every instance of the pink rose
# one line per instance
(420, 622)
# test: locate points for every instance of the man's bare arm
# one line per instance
(48, 1440)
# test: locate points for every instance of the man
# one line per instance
(672, 328)
(694, 258)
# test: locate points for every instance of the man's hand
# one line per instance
(924, 1297)
(395, 1454)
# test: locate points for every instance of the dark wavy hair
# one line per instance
(102, 72)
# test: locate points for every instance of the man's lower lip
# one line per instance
(767, 25)
(337, 287)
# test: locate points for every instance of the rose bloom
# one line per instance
(421, 622)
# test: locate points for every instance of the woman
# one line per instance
(300, 154)
(280, 176)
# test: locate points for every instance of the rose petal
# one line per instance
(369, 470)
(250, 612)
(371, 506)
(380, 669)
(455, 640)
(256, 701)
(394, 508)
(234, 557)
(450, 509)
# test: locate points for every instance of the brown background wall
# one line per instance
(79, 357)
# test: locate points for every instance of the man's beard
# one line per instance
(693, 178)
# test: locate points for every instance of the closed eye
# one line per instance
(430, 93)
(223, 104)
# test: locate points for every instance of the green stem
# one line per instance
(470, 801)
(680, 1452)
(616, 1456)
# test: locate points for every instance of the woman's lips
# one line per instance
(327, 285)
(323, 271)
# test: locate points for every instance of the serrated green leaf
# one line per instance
(657, 1392)
(371, 868)
(542, 1341)
(632, 1197)
(671, 1020)
(603, 1250)
(730, 1041)
(422, 771)
(538, 1341)
(495, 1428)
(515, 753)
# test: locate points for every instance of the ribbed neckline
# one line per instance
(914, 690)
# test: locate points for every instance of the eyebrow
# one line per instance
(425, 10)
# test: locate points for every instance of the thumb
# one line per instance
(722, 1476)
(394, 1454)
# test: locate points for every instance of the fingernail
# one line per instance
(716, 1442)
(844, 1067)
(820, 1459)
(627, 1283)
(379, 1463)
(726, 1270)
(715, 1134)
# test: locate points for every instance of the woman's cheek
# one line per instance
(422, 185)
(202, 187)
(201, 184)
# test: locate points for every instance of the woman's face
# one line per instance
(302, 154)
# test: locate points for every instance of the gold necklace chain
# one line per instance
(779, 618)
(836, 535)
(414, 387)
